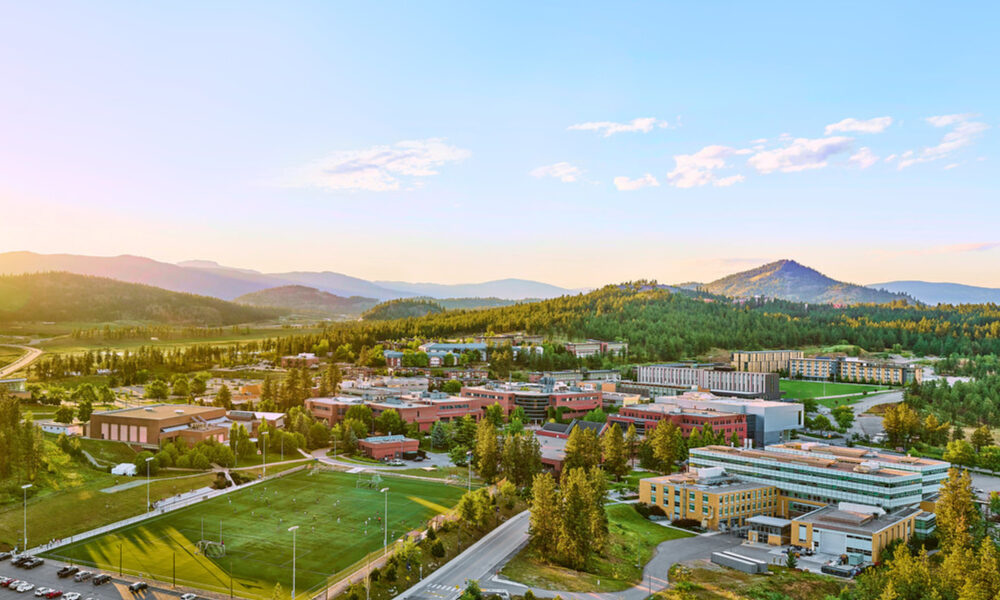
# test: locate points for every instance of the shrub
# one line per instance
(437, 549)
(686, 523)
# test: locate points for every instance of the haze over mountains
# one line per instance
(211, 279)
(942, 293)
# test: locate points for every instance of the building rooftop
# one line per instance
(854, 519)
(858, 453)
(713, 480)
(160, 411)
(385, 439)
(669, 408)
(769, 521)
(844, 464)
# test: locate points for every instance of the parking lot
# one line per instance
(45, 576)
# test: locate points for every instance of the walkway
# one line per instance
(30, 356)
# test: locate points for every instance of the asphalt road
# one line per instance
(30, 356)
(45, 576)
(871, 425)
(483, 560)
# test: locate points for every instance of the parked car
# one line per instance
(41, 591)
(33, 562)
(25, 587)
(82, 576)
(138, 586)
(5, 581)
(67, 571)
(189, 596)
(53, 594)
(20, 560)
(11, 583)
(5, 555)
(101, 579)
(72, 596)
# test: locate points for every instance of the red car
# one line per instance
(53, 594)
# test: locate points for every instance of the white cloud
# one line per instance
(609, 128)
(950, 166)
(963, 132)
(799, 155)
(864, 158)
(694, 170)
(563, 171)
(379, 168)
(628, 185)
(728, 181)
(876, 125)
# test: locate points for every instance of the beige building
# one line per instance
(764, 361)
(854, 369)
(150, 425)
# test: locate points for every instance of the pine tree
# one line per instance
(545, 515)
(615, 454)
(957, 515)
(487, 451)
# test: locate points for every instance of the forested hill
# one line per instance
(308, 300)
(660, 325)
(402, 309)
(70, 297)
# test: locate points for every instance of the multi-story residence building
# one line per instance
(764, 361)
(854, 369)
(646, 417)
(724, 382)
(591, 347)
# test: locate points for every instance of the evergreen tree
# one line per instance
(615, 453)
(487, 451)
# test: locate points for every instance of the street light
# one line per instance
(148, 460)
(25, 488)
(264, 456)
(292, 529)
(468, 460)
(385, 524)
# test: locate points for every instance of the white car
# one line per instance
(189, 597)
(72, 596)
(42, 591)
(25, 587)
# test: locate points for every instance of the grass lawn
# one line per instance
(9, 355)
(713, 582)
(108, 451)
(799, 389)
(339, 525)
(629, 547)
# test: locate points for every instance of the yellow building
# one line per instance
(861, 532)
(853, 369)
(709, 496)
(764, 361)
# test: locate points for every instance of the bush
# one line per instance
(431, 534)
(437, 549)
(649, 510)
(686, 523)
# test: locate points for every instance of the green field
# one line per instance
(816, 389)
(339, 525)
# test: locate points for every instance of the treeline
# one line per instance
(22, 453)
(162, 332)
(974, 402)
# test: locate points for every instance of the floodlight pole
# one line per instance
(385, 524)
(148, 460)
(293, 528)
(468, 459)
(25, 489)
(264, 455)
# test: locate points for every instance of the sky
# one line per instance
(569, 142)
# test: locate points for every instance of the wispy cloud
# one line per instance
(629, 185)
(948, 249)
(609, 128)
(379, 168)
(800, 154)
(728, 181)
(563, 171)
(963, 132)
(876, 125)
(698, 169)
(863, 158)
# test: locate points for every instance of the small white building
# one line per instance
(56, 428)
(124, 469)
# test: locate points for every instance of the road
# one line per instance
(484, 559)
(870, 425)
(30, 356)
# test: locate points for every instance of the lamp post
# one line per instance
(385, 524)
(264, 455)
(292, 529)
(25, 489)
(148, 460)
(468, 460)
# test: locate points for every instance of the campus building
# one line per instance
(592, 347)
(424, 408)
(764, 361)
(387, 446)
(861, 532)
(710, 496)
(721, 381)
(571, 377)
(854, 369)
(535, 399)
(645, 417)
(14, 386)
(768, 422)
(151, 425)
(301, 360)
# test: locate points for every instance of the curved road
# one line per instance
(30, 356)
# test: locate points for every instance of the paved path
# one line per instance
(30, 356)
(871, 425)
(484, 559)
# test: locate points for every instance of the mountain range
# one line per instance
(930, 292)
(789, 280)
(209, 278)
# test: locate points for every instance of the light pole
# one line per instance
(292, 529)
(468, 460)
(25, 489)
(264, 455)
(385, 524)
(148, 460)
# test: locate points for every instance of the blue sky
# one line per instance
(574, 143)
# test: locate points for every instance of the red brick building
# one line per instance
(387, 446)
(646, 417)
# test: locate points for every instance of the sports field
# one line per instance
(800, 389)
(339, 524)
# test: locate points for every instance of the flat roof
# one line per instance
(669, 408)
(386, 439)
(160, 411)
(832, 517)
(857, 452)
(716, 485)
(770, 521)
(842, 464)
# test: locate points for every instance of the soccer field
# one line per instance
(339, 524)
(799, 389)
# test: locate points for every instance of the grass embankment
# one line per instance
(708, 581)
(631, 542)
(340, 524)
